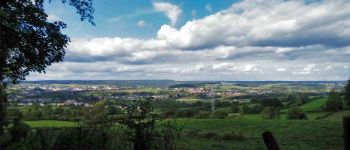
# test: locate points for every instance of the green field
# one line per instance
(338, 115)
(192, 100)
(210, 133)
(322, 130)
(50, 123)
(289, 134)
(314, 105)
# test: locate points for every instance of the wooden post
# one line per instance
(270, 141)
(104, 140)
(346, 136)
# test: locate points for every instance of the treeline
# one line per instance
(135, 126)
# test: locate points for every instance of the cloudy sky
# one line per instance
(206, 40)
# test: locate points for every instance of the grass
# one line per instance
(338, 115)
(50, 123)
(290, 134)
(250, 116)
(224, 109)
(191, 100)
(245, 132)
(314, 105)
(316, 115)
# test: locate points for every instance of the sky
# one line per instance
(240, 40)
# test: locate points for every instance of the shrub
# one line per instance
(274, 102)
(191, 133)
(185, 113)
(270, 113)
(296, 114)
(218, 115)
(334, 102)
(233, 137)
(245, 109)
(234, 108)
(208, 135)
(202, 114)
(169, 113)
(251, 110)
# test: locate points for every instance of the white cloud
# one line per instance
(208, 7)
(194, 14)
(281, 69)
(170, 10)
(141, 23)
(52, 18)
(252, 40)
(114, 19)
(308, 69)
(266, 23)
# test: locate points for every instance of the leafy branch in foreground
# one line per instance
(29, 42)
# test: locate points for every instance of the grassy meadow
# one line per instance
(50, 123)
(322, 130)
(245, 133)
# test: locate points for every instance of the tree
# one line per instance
(96, 116)
(347, 94)
(111, 110)
(29, 42)
(218, 115)
(245, 109)
(234, 108)
(141, 123)
(301, 99)
(273, 102)
(296, 113)
(290, 98)
(270, 112)
(334, 102)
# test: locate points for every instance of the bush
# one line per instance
(202, 114)
(186, 113)
(234, 108)
(296, 114)
(216, 135)
(208, 135)
(233, 137)
(191, 133)
(334, 102)
(245, 109)
(274, 102)
(169, 113)
(270, 113)
(218, 115)
(251, 110)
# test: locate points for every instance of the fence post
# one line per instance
(270, 141)
(346, 136)
(104, 140)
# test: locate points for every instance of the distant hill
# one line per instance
(128, 83)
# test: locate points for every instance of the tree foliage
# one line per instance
(271, 102)
(143, 131)
(295, 113)
(334, 102)
(29, 42)
(270, 112)
(347, 94)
